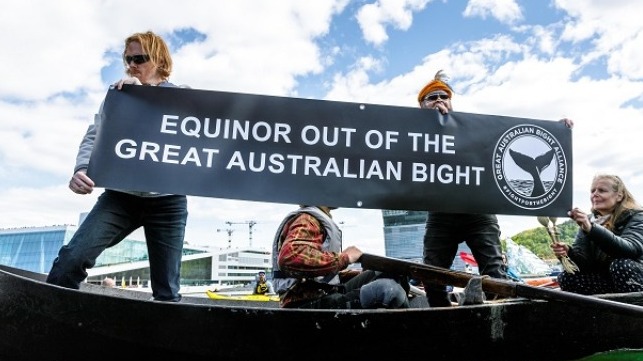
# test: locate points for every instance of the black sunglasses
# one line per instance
(137, 59)
(434, 97)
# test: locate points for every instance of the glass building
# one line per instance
(404, 236)
(35, 248)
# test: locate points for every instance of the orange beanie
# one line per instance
(439, 82)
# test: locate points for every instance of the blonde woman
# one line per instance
(117, 213)
(608, 248)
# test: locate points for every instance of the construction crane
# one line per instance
(229, 231)
(250, 225)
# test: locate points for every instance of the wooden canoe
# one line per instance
(39, 321)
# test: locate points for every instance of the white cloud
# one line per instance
(374, 18)
(506, 11)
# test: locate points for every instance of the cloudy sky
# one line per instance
(533, 59)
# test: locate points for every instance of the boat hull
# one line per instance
(38, 320)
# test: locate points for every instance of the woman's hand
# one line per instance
(568, 122)
(560, 249)
(581, 219)
(128, 80)
(80, 183)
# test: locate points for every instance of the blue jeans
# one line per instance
(114, 216)
(369, 289)
(383, 293)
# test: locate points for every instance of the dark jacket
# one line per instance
(594, 251)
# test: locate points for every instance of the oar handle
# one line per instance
(435, 275)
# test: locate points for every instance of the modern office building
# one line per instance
(404, 236)
(35, 248)
(404, 233)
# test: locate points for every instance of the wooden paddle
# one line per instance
(442, 276)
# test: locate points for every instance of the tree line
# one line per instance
(538, 240)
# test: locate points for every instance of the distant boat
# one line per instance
(545, 281)
(248, 297)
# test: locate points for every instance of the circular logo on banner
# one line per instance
(529, 166)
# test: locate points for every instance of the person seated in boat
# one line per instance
(108, 282)
(608, 248)
(312, 271)
(262, 286)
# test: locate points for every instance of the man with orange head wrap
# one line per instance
(445, 231)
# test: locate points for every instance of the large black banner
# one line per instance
(303, 151)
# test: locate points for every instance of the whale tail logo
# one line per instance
(530, 167)
(534, 167)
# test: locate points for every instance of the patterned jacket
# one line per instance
(306, 255)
